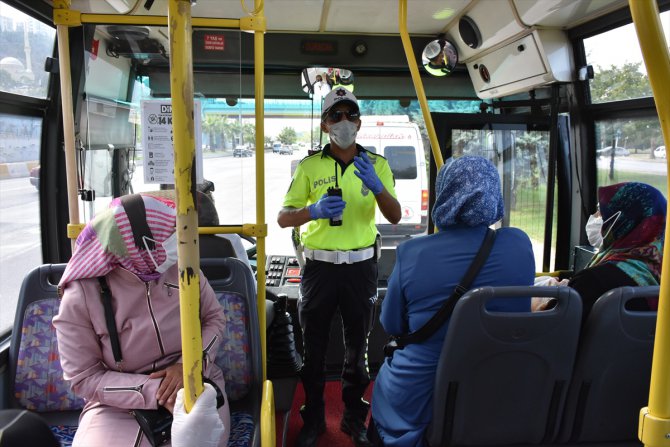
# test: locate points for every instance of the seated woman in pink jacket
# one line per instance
(132, 245)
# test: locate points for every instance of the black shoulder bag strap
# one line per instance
(106, 296)
(442, 315)
(133, 205)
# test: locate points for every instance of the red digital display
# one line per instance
(318, 47)
(293, 271)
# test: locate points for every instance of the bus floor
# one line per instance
(334, 410)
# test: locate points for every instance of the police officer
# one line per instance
(341, 266)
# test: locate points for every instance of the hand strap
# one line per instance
(106, 296)
(442, 315)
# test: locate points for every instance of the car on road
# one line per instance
(286, 149)
(35, 177)
(618, 152)
(659, 152)
(242, 151)
(276, 148)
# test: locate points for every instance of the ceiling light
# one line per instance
(443, 14)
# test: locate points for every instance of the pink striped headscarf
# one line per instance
(107, 242)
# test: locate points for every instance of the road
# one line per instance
(640, 163)
(20, 244)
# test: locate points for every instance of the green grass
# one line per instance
(530, 210)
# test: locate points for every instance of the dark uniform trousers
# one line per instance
(324, 288)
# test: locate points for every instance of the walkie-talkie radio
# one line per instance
(335, 221)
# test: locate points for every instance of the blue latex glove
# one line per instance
(366, 172)
(327, 207)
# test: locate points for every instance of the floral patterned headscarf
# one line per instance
(467, 193)
(634, 230)
(108, 241)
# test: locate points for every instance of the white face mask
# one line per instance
(170, 247)
(593, 228)
(343, 133)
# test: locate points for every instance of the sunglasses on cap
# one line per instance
(335, 116)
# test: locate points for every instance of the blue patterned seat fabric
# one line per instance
(233, 356)
(234, 360)
(39, 384)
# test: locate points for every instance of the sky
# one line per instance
(619, 46)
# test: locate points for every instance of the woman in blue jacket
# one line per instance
(426, 272)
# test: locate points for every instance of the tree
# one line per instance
(248, 133)
(213, 125)
(619, 83)
(287, 135)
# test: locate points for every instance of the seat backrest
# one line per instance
(36, 377)
(214, 246)
(611, 379)
(239, 354)
(509, 370)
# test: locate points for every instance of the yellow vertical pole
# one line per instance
(62, 32)
(654, 428)
(268, 437)
(259, 91)
(418, 85)
(183, 132)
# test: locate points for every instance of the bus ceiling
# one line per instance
(491, 49)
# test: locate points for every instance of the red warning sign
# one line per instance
(214, 42)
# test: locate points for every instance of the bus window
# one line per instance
(631, 150)
(522, 158)
(24, 45)
(20, 208)
(403, 161)
(619, 72)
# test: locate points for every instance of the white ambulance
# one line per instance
(399, 140)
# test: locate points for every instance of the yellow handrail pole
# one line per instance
(183, 133)
(73, 17)
(62, 32)
(268, 437)
(198, 22)
(418, 85)
(654, 428)
(257, 23)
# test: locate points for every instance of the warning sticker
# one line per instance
(214, 42)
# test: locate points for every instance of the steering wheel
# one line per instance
(251, 251)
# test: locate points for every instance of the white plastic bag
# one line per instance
(202, 426)
(541, 303)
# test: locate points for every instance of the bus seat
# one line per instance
(36, 377)
(507, 372)
(611, 380)
(239, 354)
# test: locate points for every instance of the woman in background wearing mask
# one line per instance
(133, 246)
(628, 231)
